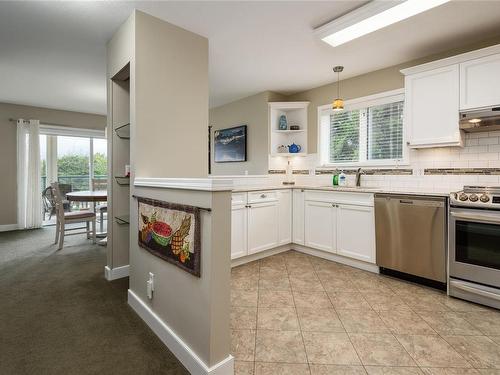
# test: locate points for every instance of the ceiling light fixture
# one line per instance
(371, 17)
(338, 104)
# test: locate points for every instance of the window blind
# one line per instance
(344, 136)
(385, 131)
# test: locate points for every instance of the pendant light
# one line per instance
(338, 104)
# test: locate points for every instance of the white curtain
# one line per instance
(29, 195)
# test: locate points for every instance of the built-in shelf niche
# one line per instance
(119, 146)
(296, 114)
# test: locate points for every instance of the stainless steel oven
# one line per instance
(474, 246)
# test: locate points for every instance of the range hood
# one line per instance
(482, 120)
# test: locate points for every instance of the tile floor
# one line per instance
(293, 314)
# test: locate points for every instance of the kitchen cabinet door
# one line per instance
(480, 82)
(262, 226)
(319, 227)
(431, 108)
(356, 232)
(285, 216)
(239, 229)
(298, 216)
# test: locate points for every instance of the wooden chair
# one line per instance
(49, 202)
(63, 218)
(100, 184)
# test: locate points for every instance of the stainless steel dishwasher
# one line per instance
(411, 235)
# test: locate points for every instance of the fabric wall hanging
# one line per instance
(171, 232)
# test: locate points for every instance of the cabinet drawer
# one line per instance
(262, 196)
(345, 197)
(238, 198)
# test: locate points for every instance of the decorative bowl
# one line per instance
(162, 233)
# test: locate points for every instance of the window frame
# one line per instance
(54, 131)
(324, 112)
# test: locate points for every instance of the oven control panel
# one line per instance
(475, 199)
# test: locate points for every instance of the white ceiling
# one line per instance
(52, 54)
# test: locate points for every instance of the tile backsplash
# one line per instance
(441, 169)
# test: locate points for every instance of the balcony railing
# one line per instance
(77, 182)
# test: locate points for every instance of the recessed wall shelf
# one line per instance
(122, 219)
(122, 180)
(288, 154)
(123, 131)
(296, 114)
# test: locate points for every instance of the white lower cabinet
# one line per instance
(285, 216)
(356, 232)
(341, 228)
(339, 223)
(239, 230)
(260, 220)
(262, 226)
(320, 225)
(298, 216)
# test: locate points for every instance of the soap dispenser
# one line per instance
(342, 179)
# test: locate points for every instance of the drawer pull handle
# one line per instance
(263, 195)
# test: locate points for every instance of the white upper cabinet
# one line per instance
(298, 216)
(285, 216)
(431, 108)
(356, 232)
(480, 82)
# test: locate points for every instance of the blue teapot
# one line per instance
(294, 149)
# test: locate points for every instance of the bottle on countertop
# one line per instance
(335, 179)
(342, 179)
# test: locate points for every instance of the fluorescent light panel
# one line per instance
(371, 17)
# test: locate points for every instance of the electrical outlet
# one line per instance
(152, 279)
(150, 285)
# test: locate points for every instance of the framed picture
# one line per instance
(230, 145)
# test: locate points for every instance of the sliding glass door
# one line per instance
(73, 163)
(79, 163)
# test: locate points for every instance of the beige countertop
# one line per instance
(350, 189)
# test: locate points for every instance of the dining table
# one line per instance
(89, 196)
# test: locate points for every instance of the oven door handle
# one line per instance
(482, 218)
(470, 289)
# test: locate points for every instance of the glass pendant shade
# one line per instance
(338, 105)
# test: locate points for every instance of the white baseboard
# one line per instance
(263, 254)
(178, 347)
(307, 250)
(8, 227)
(116, 273)
(337, 258)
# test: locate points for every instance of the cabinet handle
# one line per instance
(263, 195)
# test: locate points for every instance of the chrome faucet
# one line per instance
(359, 172)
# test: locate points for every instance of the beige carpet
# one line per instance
(58, 315)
